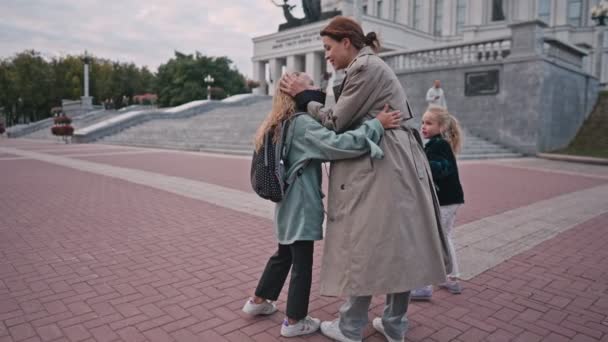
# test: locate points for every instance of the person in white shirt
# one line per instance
(435, 95)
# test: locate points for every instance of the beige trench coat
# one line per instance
(383, 230)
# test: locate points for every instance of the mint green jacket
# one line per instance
(299, 216)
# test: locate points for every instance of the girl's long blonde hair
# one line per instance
(449, 127)
(283, 106)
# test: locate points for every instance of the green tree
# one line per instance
(181, 79)
(30, 85)
(26, 78)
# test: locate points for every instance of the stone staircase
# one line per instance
(224, 129)
(231, 130)
(77, 122)
(475, 147)
(43, 128)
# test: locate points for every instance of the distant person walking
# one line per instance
(436, 96)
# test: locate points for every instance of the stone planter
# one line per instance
(62, 127)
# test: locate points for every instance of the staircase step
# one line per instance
(231, 130)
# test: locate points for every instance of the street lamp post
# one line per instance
(20, 110)
(209, 79)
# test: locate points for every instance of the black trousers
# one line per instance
(298, 258)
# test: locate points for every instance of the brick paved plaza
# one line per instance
(112, 243)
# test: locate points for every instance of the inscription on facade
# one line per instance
(296, 40)
(481, 83)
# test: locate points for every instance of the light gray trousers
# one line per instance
(353, 315)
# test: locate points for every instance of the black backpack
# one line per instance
(268, 167)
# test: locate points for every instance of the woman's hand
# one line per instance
(293, 85)
(389, 119)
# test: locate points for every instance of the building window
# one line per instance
(544, 10)
(498, 10)
(396, 10)
(438, 22)
(379, 12)
(417, 14)
(461, 14)
(574, 12)
(364, 9)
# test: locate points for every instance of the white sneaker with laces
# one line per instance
(377, 323)
(305, 326)
(332, 330)
(264, 308)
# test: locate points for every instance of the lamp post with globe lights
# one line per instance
(209, 79)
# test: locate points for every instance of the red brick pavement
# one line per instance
(228, 172)
(489, 189)
(90, 258)
(7, 155)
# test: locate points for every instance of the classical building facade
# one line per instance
(411, 25)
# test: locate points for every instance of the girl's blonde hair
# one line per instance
(449, 127)
(283, 106)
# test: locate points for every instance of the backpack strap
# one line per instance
(287, 131)
(287, 146)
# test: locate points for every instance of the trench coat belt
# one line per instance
(412, 135)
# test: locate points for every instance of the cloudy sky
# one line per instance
(144, 32)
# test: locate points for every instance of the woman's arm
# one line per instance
(325, 144)
(354, 101)
(439, 160)
(307, 96)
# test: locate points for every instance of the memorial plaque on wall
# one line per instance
(481, 83)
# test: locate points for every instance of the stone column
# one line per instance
(358, 10)
(561, 13)
(524, 10)
(314, 63)
(294, 63)
(86, 101)
(527, 38)
(86, 80)
(276, 70)
(449, 18)
(259, 75)
(476, 13)
(599, 53)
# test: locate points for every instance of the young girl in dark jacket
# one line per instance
(444, 141)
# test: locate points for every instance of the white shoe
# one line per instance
(305, 326)
(377, 323)
(265, 308)
(332, 330)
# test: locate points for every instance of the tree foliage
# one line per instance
(181, 79)
(30, 84)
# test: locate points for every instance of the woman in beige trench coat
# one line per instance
(383, 233)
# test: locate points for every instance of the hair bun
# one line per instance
(371, 38)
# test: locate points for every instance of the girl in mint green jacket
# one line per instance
(299, 216)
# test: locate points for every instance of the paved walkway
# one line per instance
(111, 243)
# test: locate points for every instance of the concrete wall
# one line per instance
(540, 105)
(569, 97)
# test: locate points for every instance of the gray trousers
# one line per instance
(353, 315)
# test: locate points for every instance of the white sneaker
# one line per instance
(377, 323)
(307, 325)
(332, 330)
(265, 308)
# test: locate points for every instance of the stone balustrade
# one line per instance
(449, 55)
